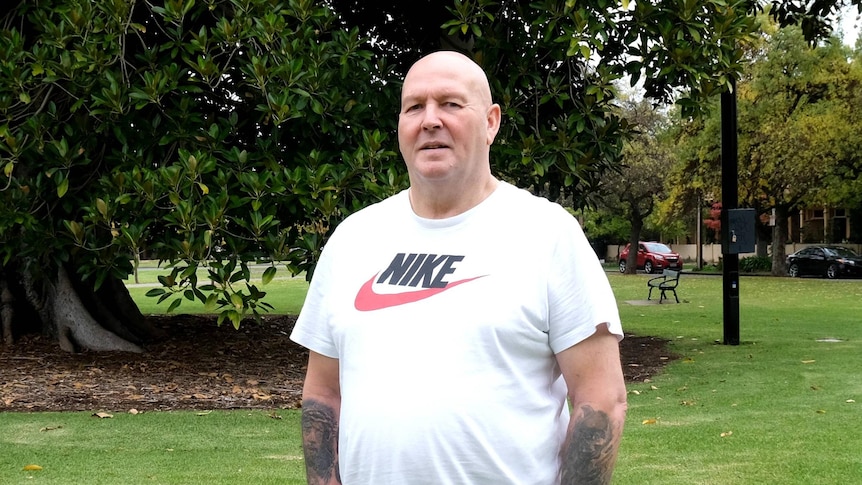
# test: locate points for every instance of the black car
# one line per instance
(829, 261)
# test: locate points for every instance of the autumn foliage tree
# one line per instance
(798, 125)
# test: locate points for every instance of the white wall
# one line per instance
(712, 252)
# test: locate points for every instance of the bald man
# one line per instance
(447, 325)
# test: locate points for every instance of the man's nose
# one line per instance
(431, 118)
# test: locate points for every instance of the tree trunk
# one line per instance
(763, 233)
(7, 310)
(634, 240)
(779, 240)
(62, 306)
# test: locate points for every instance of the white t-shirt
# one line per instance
(446, 331)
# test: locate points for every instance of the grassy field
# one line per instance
(285, 292)
(781, 407)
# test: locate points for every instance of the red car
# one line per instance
(652, 257)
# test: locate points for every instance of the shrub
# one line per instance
(752, 264)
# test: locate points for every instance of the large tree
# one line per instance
(201, 133)
(554, 66)
(204, 133)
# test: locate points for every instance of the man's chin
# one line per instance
(434, 169)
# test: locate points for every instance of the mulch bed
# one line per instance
(197, 366)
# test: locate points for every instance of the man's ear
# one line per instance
(494, 116)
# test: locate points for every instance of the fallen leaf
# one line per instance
(809, 361)
(273, 415)
(851, 401)
(103, 415)
(31, 468)
(50, 428)
(134, 411)
(726, 434)
(649, 421)
(821, 411)
(204, 413)
(636, 393)
(653, 388)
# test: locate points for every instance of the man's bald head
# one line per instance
(454, 64)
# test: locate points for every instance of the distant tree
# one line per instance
(636, 189)
(713, 222)
(796, 128)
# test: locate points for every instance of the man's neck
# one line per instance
(449, 201)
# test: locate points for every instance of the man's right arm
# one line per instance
(321, 408)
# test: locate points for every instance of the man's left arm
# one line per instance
(597, 393)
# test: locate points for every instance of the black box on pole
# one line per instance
(739, 237)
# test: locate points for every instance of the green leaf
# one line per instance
(235, 318)
(174, 305)
(102, 207)
(236, 301)
(210, 304)
(269, 274)
(62, 187)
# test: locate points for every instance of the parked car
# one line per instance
(652, 257)
(829, 261)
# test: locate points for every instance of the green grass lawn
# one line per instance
(285, 293)
(780, 408)
(177, 448)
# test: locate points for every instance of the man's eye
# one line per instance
(413, 108)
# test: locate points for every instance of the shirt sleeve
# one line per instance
(312, 328)
(579, 293)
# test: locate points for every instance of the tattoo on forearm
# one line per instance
(590, 452)
(320, 442)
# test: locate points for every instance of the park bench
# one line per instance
(668, 281)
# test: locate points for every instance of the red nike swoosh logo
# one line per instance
(368, 300)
